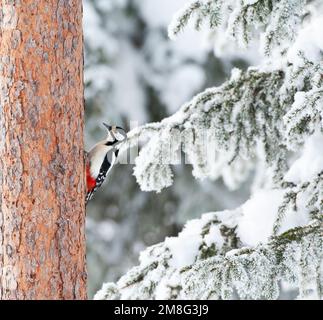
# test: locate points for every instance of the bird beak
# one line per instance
(107, 126)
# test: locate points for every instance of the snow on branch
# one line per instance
(276, 20)
(208, 261)
(229, 121)
(304, 116)
(276, 236)
(223, 130)
(260, 115)
(202, 10)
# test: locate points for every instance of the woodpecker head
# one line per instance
(116, 135)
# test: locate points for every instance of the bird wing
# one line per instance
(109, 161)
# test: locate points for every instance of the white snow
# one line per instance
(102, 293)
(309, 41)
(229, 217)
(214, 237)
(164, 287)
(258, 216)
(184, 248)
(249, 2)
(310, 163)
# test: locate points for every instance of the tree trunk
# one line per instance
(42, 183)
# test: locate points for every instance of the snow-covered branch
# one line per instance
(275, 20)
(201, 263)
(267, 120)
(254, 115)
(274, 239)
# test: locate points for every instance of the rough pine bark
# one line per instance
(42, 212)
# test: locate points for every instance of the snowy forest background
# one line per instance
(136, 75)
(134, 72)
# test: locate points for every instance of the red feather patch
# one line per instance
(90, 181)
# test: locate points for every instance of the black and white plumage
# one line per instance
(102, 158)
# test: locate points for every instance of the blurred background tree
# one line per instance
(134, 73)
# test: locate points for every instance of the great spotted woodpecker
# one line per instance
(101, 159)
